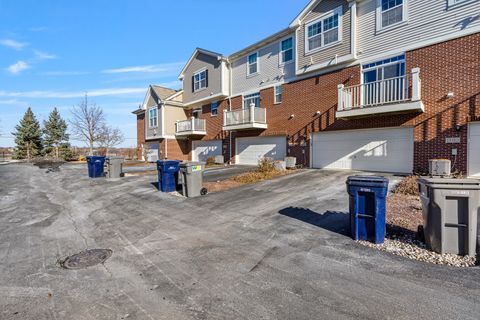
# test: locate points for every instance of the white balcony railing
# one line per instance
(191, 126)
(389, 91)
(251, 117)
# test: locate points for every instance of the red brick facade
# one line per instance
(452, 66)
(140, 134)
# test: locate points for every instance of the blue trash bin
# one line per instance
(95, 166)
(368, 196)
(168, 175)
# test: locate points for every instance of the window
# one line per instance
(390, 12)
(325, 31)
(286, 51)
(251, 98)
(152, 117)
(278, 94)
(452, 3)
(200, 80)
(196, 113)
(214, 108)
(252, 64)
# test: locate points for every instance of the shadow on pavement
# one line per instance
(334, 221)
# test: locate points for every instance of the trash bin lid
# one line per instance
(369, 179)
(451, 183)
(190, 164)
(168, 162)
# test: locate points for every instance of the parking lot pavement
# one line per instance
(275, 250)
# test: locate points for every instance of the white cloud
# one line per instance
(40, 55)
(18, 67)
(154, 68)
(13, 44)
(72, 94)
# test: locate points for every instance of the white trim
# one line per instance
(179, 92)
(162, 111)
(249, 75)
(275, 101)
(332, 62)
(280, 52)
(192, 57)
(469, 141)
(337, 11)
(353, 28)
(213, 115)
(209, 98)
(155, 107)
(160, 137)
(457, 3)
(412, 106)
(379, 12)
(298, 19)
(251, 94)
(199, 72)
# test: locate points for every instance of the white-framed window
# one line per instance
(325, 31)
(286, 51)
(252, 64)
(452, 3)
(196, 113)
(153, 117)
(391, 13)
(200, 80)
(251, 98)
(214, 108)
(278, 94)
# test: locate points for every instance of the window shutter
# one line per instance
(193, 83)
(206, 78)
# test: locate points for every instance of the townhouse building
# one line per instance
(378, 85)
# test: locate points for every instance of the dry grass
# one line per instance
(408, 186)
(265, 171)
(404, 211)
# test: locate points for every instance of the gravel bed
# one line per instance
(409, 247)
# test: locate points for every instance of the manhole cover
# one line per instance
(87, 258)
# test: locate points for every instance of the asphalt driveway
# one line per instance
(275, 250)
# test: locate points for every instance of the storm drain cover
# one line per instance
(87, 258)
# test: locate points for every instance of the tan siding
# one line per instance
(328, 54)
(427, 19)
(173, 114)
(214, 77)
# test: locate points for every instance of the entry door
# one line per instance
(474, 150)
(391, 89)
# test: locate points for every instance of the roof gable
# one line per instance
(309, 7)
(195, 53)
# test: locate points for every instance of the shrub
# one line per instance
(210, 161)
(408, 186)
(266, 165)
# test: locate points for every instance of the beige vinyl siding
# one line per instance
(328, 54)
(173, 114)
(150, 131)
(270, 70)
(427, 20)
(214, 67)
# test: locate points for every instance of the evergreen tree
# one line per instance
(54, 132)
(28, 137)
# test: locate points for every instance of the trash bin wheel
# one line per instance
(203, 191)
(420, 234)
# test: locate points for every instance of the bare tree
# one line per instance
(87, 123)
(110, 137)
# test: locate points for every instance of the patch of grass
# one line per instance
(408, 186)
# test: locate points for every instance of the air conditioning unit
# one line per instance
(439, 167)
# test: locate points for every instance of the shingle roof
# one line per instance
(161, 92)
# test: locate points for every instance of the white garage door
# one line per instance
(250, 150)
(202, 150)
(474, 150)
(382, 150)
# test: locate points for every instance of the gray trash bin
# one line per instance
(450, 214)
(191, 179)
(114, 167)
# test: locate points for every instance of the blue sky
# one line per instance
(53, 51)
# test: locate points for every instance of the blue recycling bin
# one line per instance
(95, 166)
(168, 175)
(368, 196)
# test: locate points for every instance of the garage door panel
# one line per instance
(202, 150)
(389, 150)
(474, 150)
(250, 150)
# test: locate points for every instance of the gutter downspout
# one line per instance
(229, 107)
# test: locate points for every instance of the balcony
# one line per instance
(191, 127)
(394, 95)
(245, 119)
